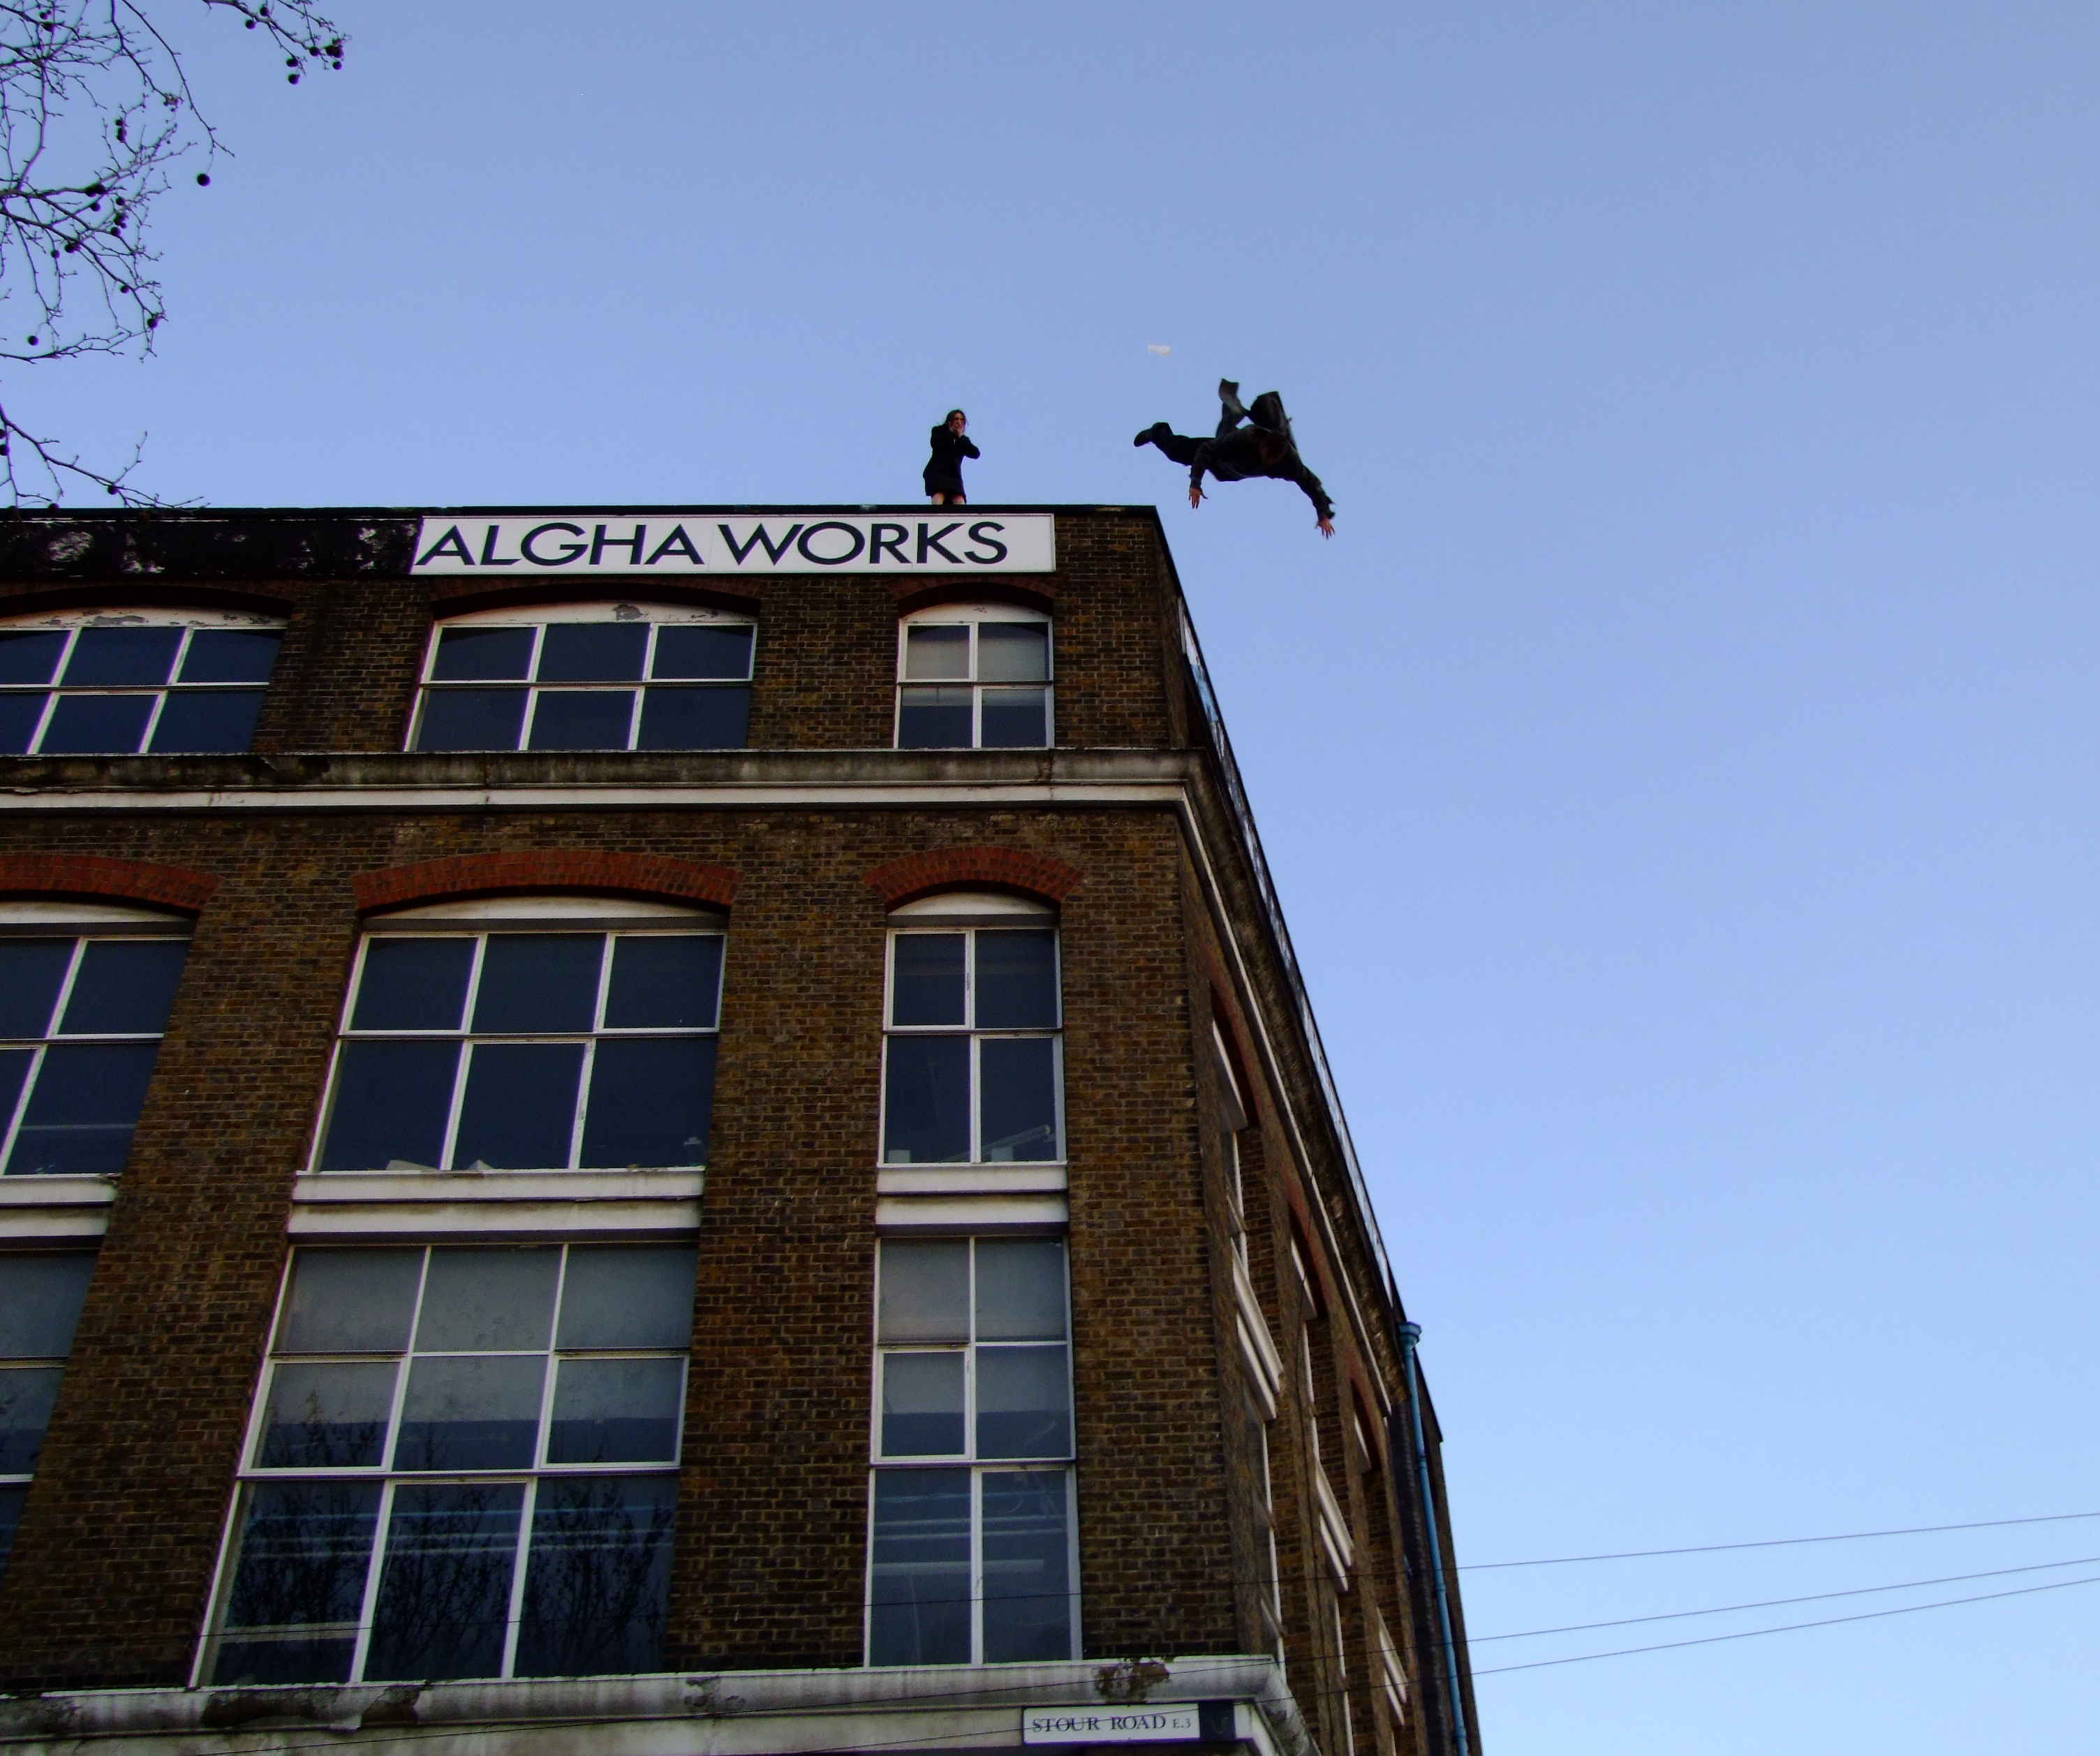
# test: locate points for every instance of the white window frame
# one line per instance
(539, 618)
(970, 615)
(478, 919)
(967, 913)
(71, 622)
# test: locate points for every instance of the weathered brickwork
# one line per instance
(89, 874)
(599, 872)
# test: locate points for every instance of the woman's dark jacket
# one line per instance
(944, 469)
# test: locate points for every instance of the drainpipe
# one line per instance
(1410, 1336)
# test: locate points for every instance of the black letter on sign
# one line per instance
(773, 552)
(830, 561)
(600, 542)
(452, 542)
(977, 536)
(933, 542)
(569, 553)
(488, 550)
(877, 542)
(676, 543)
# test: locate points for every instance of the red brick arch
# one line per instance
(85, 874)
(468, 875)
(917, 875)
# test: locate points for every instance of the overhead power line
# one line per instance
(1774, 1542)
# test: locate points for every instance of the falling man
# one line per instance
(1264, 446)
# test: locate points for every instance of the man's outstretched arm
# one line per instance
(1323, 509)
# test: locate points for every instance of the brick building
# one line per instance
(667, 1131)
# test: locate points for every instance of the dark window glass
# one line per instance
(80, 1115)
(391, 1103)
(470, 1412)
(471, 719)
(97, 724)
(1013, 652)
(616, 1411)
(1027, 1567)
(927, 987)
(1019, 1100)
(597, 1583)
(14, 1065)
(1021, 1289)
(27, 1395)
(939, 653)
(30, 973)
(926, 1101)
(19, 714)
(11, 1501)
(618, 1297)
(291, 1616)
(539, 983)
(111, 657)
(125, 987)
(695, 719)
(922, 1405)
(328, 1416)
(350, 1301)
(925, 1291)
(700, 653)
(520, 1105)
(1017, 980)
(30, 657)
(933, 719)
(581, 719)
(651, 1102)
(230, 655)
(664, 981)
(413, 984)
(1016, 719)
(444, 1587)
(592, 652)
(207, 722)
(920, 1569)
(1024, 1402)
(484, 1300)
(40, 1297)
(483, 654)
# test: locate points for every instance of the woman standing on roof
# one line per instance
(944, 469)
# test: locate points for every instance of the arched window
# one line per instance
(114, 682)
(587, 677)
(973, 675)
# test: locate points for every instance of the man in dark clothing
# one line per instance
(1264, 446)
(944, 469)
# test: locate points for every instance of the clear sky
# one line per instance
(1678, 769)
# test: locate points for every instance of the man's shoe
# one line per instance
(1152, 433)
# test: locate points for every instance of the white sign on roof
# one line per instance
(817, 541)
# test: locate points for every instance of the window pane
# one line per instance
(922, 1405)
(1020, 1099)
(520, 1106)
(230, 655)
(937, 654)
(598, 1582)
(11, 1501)
(350, 1301)
(926, 982)
(488, 1301)
(14, 1064)
(691, 652)
(19, 714)
(651, 1099)
(1017, 719)
(618, 1297)
(616, 1411)
(27, 1394)
(468, 1412)
(304, 1548)
(695, 719)
(444, 1588)
(28, 658)
(80, 1115)
(664, 981)
(1021, 1289)
(40, 1300)
(115, 655)
(471, 719)
(327, 1417)
(97, 724)
(581, 719)
(1013, 652)
(538, 983)
(1027, 1567)
(1024, 1403)
(481, 655)
(926, 1100)
(30, 973)
(207, 722)
(919, 1584)
(592, 652)
(933, 719)
(925, 1291)
(125, 987)
(391, 1103)
(1016, 981)
(413, 985)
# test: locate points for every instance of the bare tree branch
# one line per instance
(95, 111)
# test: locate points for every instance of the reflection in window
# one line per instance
(659, 680)
(41, 1295)
(970, 1557)
(553, 1377)
(114, 685)
(527, 1051)
(81, 1021)
(973, 679)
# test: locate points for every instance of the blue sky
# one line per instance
(1678, 769)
